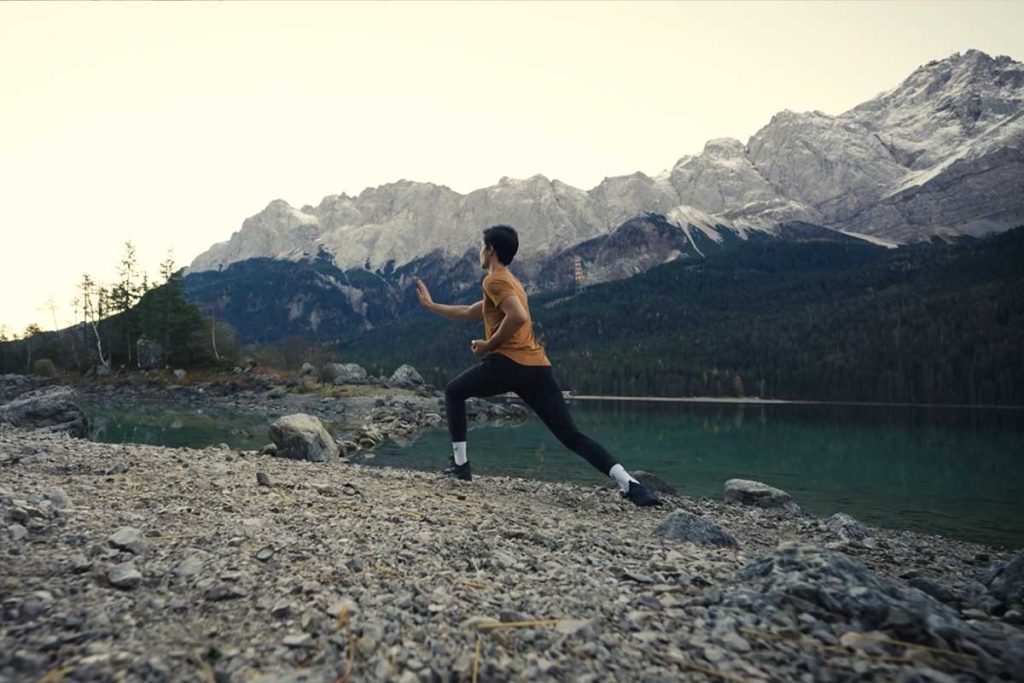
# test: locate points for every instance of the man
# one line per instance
(514, 361)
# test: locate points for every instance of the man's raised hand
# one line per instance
(423, 294)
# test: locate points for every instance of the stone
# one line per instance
(297, 640)
(812, 585)
(344, 373)
(263, 479)
(17, 531)
(225, 591)
(406, 376)
(681, 525)
(124, 575)
(51, 410)
(190, 566)
(652, 481)
(748, 492)
(1007, 584)
(128, 538)
(60, 499)
(303, 437)
(936, 590)
(846, 528)
(307, 370)
(179, 374)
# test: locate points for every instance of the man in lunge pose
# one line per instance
(514, 361)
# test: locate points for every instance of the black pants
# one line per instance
(536, 385)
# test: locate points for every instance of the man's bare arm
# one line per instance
(454, 312)
(467, 313)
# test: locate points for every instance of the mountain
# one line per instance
(266, 300)
(940, 154)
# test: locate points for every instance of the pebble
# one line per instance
(128, 538)
(124, 575)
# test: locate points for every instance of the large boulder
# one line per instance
(307, 370)
(832, 594)
(749, 492)
(406, 376)
(303, 437)
(49, 410)
(150, 353)
(344, 373)
(681, 525)
(1007, 583)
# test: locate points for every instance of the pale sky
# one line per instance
(169, 123)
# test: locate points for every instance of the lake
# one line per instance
(958, 471)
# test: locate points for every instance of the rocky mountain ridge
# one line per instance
(942, 153)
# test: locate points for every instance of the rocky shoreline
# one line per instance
(362, 411)
(132, 562)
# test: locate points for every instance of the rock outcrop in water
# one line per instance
(52, 409)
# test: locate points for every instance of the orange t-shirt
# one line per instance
(521, 347)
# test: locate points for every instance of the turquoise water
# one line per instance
(177, 424)
(953, 471)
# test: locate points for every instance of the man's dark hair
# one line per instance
(504, 240)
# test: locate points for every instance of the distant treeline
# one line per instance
(129, 324)
(927, 323)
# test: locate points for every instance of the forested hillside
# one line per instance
(934, 323)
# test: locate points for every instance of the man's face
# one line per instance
(483, 255)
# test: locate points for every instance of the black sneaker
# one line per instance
(458, 471)
(640, 495)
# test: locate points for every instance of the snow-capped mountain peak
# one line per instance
(941, 152)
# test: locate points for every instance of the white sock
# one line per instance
(459, 447)
(621, 477)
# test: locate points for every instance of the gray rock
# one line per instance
(51, 410)
(748, 492)
(225, 591)
(303, 437)
(128, 538)
(297, 640)
(1008, 583)
(60, 499)
(344, 373)
(179, 374)
(651, 481)
(936, 590)
(190, 566)
(406, 376)
(815, 585)
(17, 531)
(307, 370)
(846, 528)
(124, 575)
(263, 479)
(681, 525)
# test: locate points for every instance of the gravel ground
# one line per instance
(133, 562)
